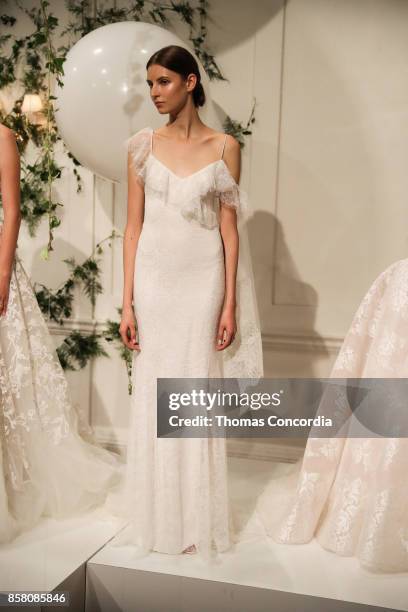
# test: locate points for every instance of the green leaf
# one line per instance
(44, 254)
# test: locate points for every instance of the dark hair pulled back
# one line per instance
(180, 60)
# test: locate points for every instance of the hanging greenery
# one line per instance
(57, 306)
(77, 349)
(194, 15)
(112, 334)
(42, 63)
(236, 129)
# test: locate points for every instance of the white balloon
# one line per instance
(105, 97)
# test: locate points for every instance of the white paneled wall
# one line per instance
(325, 169)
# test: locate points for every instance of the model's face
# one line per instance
(168, 90)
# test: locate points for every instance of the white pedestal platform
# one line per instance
(53, 556)
(259, 575)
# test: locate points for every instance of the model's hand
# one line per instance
(127, 329)
(227, 328)
(4, 293)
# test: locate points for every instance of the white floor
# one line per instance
(48, 554)
(259, 562)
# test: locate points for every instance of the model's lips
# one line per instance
(158, 103)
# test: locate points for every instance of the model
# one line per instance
(350, 493)
(46, 468)
(183, 314)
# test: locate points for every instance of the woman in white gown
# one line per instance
(182, 297)
(46, 468)
(351, 493)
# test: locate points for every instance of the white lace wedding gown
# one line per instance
(176, 490)
(46, 467)
(352, 493)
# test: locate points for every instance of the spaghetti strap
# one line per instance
(223, 146)
(151, 141)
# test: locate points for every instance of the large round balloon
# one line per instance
(105, 97)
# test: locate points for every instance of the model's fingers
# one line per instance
(124, 335)
(130, 344)
(227, 339)
(220, 335)
(131, 340)
(132, 330)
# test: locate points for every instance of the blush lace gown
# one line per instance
(351, 493)
(46, 467)
(176, 490)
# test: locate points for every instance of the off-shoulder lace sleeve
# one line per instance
(138, 147)
(230, 193)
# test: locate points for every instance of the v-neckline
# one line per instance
(181, 178)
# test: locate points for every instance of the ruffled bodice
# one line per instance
(198, 196)
(166, 240)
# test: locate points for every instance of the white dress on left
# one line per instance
(46, 467)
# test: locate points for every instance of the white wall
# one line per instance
(325, 170)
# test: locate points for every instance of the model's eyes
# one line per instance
(161, 81)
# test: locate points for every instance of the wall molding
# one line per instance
(289, 342)
(116, 441)
(264, 451)
(282, 341)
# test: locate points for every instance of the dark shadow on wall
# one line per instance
(234, 21)
(276, 273)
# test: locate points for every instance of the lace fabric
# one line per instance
(198, 198)
(48, 469)
(351, 493)
(27, 361)
(175, 492)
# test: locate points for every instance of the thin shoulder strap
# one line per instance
(151, 140)
(223, 146)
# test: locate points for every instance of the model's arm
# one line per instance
(10, 196)
(134, 223)
(230, 238)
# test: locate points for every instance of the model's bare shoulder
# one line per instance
(8, 145)
(6, 133)
(232, 144)
(232, 156)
